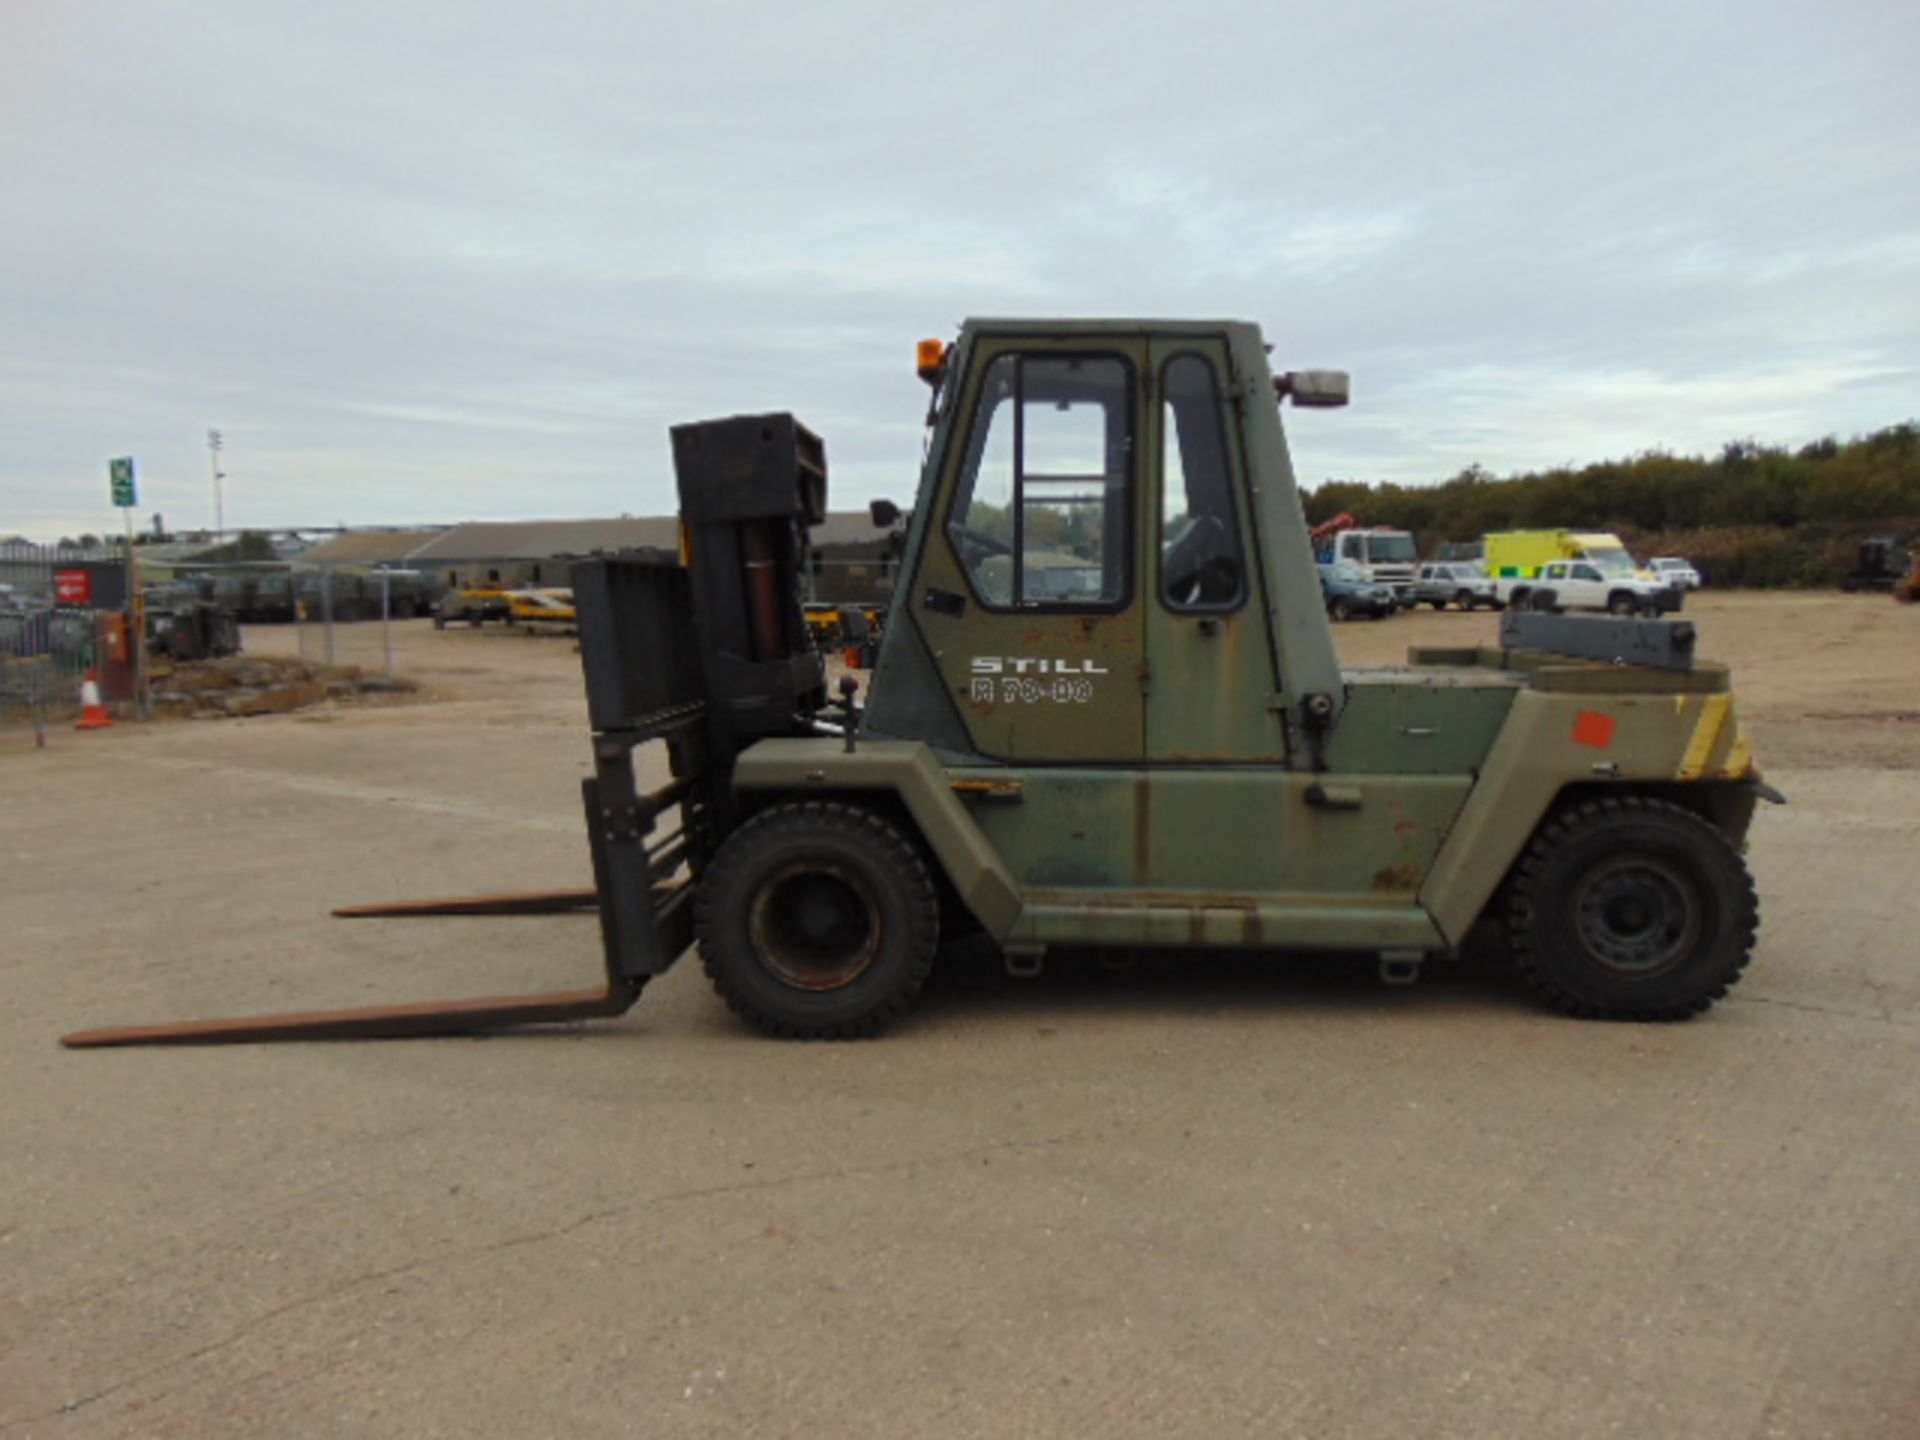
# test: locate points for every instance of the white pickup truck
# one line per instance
(1585, 585)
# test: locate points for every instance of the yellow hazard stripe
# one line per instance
(1740, 758)
(1706, 735)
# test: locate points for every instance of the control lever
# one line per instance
(849, 687)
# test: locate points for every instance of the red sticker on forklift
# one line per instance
(1590, 727)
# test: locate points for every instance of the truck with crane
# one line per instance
(1371, 555)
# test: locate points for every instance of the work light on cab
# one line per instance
(1314, 389)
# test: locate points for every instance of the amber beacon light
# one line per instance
(930, 358)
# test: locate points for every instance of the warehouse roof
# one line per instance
(554, 539)
(546, 539)
(370, 547)
(846, 527)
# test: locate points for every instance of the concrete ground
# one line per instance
(1208, 1197)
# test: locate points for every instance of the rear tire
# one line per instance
(817, 921)
(1631, 909)
(1340, 608)
(1621, 603)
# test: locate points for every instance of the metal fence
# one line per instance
(345, 615)
(46, 645)
(344, 612)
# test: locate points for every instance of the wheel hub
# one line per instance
(1638, 917)
(816, 925)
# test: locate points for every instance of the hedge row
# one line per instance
(1768, 556)
(1753, 515)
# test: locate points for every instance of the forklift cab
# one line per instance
(1085, 578)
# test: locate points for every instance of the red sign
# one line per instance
(73, 587)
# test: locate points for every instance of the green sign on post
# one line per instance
(120, 473)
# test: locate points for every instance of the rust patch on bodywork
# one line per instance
(990, 789)
(1142, 830)
(1397, 877)
(1250, 926)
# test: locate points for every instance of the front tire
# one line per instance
(817, 921)
(1631, 909)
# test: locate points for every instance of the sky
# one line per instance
(469, 261)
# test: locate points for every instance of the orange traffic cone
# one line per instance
(93, 715)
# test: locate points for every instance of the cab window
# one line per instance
(1200, 564)
(1039, 516)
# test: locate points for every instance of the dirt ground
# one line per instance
(1210, 1197)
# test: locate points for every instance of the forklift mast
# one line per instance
(712, 643)
(709, 655)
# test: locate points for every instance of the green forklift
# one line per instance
(1107, 713)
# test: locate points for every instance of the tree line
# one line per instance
(1766, 515)
(1871, 477)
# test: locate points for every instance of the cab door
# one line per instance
(1029, 594)
(1214, 807)
(1211, 675)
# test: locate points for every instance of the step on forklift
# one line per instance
(1106, 712)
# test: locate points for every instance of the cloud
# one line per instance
(1513, 418)
(491, 253)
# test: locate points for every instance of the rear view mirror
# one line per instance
(1314, 389)
(885, 514)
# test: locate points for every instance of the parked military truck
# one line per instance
(1163, 753)
(1879, 566)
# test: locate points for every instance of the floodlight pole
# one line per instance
(214, 442)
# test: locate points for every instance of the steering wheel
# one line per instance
(986, 544)
(1202, 552)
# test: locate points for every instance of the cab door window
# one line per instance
(1039, 517)
(1200, 553)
